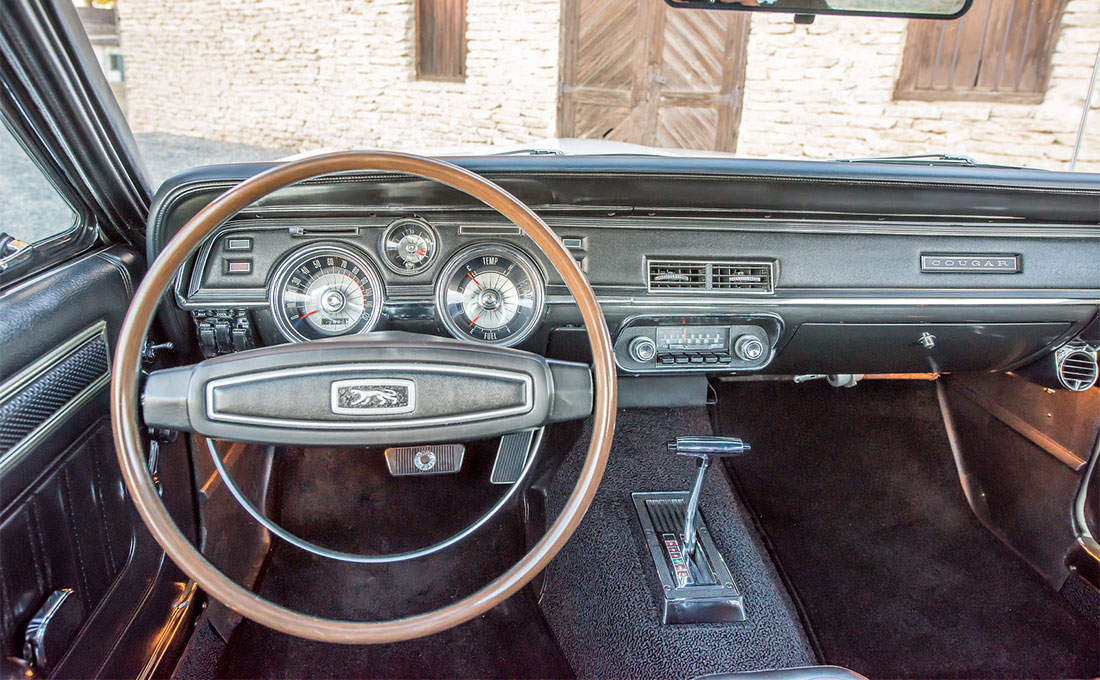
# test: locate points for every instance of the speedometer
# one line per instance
(324, 291)
(490, 293)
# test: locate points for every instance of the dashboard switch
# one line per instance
(206, 341)
(222, 336)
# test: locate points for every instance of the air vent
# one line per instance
(1077, 369)
(755, 276)
(677, 276)
(711, 277)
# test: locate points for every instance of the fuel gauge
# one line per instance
(408, 246)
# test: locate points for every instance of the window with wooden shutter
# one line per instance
(999, 50)
(441, 39)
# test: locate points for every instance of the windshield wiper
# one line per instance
(919, 159)
(531, 152)
(947, 159)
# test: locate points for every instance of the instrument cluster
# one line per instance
(491, 293)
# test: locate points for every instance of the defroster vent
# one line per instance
(711, 277)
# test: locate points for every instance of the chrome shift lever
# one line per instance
(702, 449)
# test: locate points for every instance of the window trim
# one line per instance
(80, 235)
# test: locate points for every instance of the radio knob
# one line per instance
(642, 350)
(749, 348)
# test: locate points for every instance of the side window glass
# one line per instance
(31, 209)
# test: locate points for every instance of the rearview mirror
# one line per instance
(916, 9)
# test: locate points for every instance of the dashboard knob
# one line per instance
(642, 350)
(749, 348)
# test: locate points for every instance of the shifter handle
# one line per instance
(703, 446)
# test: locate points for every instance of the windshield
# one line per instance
(223, 80)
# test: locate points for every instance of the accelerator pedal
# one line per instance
(514, 451)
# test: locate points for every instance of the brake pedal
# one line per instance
(434, 459)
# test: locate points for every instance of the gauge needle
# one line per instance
(472, 278)
(421, 252)
(476, 317)
(302, 317)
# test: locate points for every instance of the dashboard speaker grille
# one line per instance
(713, 277)
(1077, 370)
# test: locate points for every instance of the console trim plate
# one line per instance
(719, 602)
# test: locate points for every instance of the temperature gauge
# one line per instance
(408, 246)
(491, 294)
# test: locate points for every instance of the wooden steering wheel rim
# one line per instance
(128, 441)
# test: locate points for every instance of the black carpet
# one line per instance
(600, 599)
(857, 493)
(345, 499)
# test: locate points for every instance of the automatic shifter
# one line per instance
(697, 585)
(702, 449)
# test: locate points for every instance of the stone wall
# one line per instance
(826, 90)
(332, 74)
(335, 74)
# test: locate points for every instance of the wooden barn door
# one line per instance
(640, 71)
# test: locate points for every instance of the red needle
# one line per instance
(421, 252)
(475, 318)
(302, 317)
(472, 278)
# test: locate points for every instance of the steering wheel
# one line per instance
(247, 397)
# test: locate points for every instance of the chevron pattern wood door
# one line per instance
(640, 71)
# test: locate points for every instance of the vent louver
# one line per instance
(677, 276)
(712, 277)
(1077, 369)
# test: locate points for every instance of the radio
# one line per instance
(647, 344)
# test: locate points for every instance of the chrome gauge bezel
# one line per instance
(533, 272)
(277, 287)
(425, 264)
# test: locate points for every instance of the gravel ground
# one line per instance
(166, 155)
(31, 209)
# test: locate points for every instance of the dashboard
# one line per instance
(702, 266)
(324, 282)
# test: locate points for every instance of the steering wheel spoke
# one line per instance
(386, 388)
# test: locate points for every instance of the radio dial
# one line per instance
(749, 348)
(642, 350)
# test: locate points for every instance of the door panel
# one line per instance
(65, 521)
